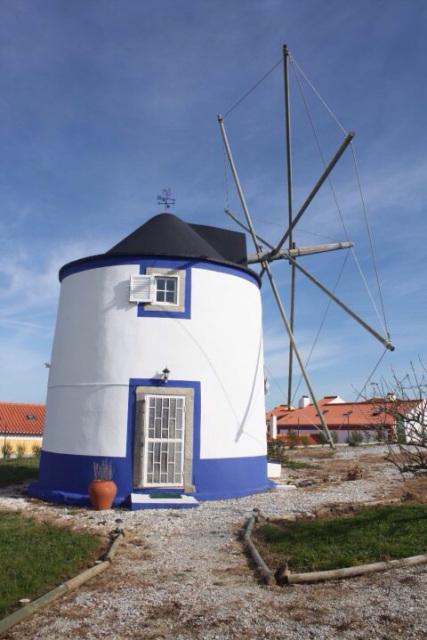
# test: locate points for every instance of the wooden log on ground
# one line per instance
(351, 572)
(266, 574)
(114, 547)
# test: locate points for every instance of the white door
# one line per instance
(164, 422)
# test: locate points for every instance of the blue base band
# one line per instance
(35, 490)
(64, 478)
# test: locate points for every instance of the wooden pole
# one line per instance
(289, 188)
(308, 250)
(343, 146)
(384, 341)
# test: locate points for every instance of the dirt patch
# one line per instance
(328, 468)
(311, 454)
(412, 489)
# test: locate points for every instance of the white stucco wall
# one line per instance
(100, 343)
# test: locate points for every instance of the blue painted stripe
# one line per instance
(64, 478)
(95, 262)
(35, 490)
(220, 478)
(68, 475)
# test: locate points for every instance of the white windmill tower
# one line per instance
(157, 367)
(285, 248)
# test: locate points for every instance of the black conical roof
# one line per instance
(230, 244)
(166, 235)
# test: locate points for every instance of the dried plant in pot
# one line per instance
(102, 489)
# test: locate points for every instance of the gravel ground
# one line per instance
(181, 575)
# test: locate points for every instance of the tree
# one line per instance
(401, 408)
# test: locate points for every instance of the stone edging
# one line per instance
(283, 576)
(65, 587)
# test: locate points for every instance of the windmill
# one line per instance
(285, 248)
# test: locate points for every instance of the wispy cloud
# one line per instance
(28, 299)
(26, 377)
(30, 282)
(327, 354)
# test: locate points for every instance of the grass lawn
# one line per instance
(35, 557)
(18, 470)
(370, 535)
(297, 464)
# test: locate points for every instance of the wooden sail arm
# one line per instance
(301, 251)
(385, 341)
(343, 146)
(298, 251)
(265, 258)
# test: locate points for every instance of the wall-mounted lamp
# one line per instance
(165, 375)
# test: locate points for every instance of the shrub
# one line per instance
(382, 434)
(355, 438)
(304, 440)
(292, 439)
(20, 451)
(36, 449)
(400, 432)
(103, 470)
(6, 450)
(402, 406)
(276, 449)
(355, 473)
(323, 439)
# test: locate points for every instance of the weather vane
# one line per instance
(166, 198)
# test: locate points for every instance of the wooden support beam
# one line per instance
(301, 251)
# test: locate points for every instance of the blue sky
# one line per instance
(104, 103)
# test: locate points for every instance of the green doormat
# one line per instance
(165, 496)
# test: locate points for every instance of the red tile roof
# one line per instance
(337, 414)
(18, 418)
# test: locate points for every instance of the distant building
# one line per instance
(21, 424)
(343, 418)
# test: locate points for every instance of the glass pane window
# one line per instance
(167, 289)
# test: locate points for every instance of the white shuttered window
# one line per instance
(142, 289)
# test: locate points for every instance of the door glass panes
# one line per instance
(166, 289)
(164, 433)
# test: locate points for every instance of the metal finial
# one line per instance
(166, 198)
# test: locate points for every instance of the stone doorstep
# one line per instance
(274, 470)
(145, 501)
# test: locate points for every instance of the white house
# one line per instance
(157, 365)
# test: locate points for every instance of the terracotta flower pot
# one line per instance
(102, 494)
